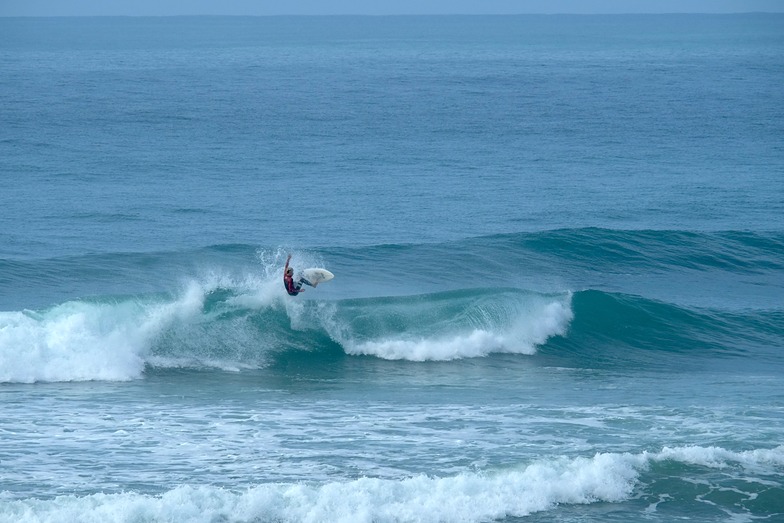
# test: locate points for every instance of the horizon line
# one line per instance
(380, 15)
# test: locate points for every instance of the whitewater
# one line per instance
(538, 487)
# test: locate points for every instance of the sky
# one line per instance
(373, 7)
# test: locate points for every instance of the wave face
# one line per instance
(626, 330)
(228, 326)
(236, 315)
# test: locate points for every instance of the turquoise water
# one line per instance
(558, 249)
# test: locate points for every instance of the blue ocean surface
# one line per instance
(558, 248)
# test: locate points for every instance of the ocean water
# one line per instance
(559, 254)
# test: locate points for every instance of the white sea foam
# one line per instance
(76, 341)
(83, 340)
(717, 457)
(521, 333)
(467, 497)
(113, 340)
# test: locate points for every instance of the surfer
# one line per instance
(288, 280)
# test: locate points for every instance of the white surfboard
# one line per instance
(315, 275)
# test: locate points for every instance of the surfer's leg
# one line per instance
(306, 282)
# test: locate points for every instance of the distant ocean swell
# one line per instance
(562, 250)
(642, 250)
(231, 325)
(721, 483)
